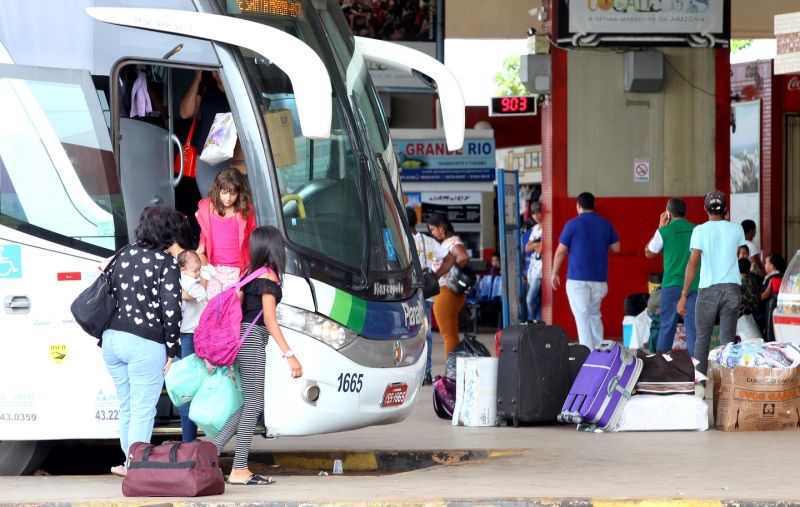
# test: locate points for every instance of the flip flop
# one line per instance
(119, 470)
(255, 480)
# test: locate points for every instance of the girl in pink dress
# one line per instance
(226, 220)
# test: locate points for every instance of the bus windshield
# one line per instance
(335, 193)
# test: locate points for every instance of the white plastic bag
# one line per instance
(747, 330)
(221, 140)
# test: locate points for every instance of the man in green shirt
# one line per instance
(672, 238)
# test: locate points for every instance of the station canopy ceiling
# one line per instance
(510, 19)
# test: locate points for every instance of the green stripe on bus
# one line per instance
(340, 312)
(358, 314)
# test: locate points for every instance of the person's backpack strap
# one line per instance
(252, 276)
(255, 274)
(270, 270)
(250, 327)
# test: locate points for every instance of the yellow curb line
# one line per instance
(353, 461)
(660, 502)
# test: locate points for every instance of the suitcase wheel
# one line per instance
(569, 418)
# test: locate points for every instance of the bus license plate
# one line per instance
(394, 395)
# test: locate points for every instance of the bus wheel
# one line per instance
(21, 457)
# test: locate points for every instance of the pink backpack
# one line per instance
(216, 338)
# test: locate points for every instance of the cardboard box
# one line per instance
(280, 128)
(757, 399)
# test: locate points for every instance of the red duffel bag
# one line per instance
(173, 469)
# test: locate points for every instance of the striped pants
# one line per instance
(242, 424)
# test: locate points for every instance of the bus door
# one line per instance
(151, 138)
(61, 211)
(145, 167)
(146, 164)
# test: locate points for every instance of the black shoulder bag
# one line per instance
(94, 307)
(463, 279)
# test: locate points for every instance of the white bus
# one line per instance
(76, 170)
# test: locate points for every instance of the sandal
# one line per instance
(119, 470)
(255, 480)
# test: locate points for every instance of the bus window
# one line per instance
(391, 252)
(57, 171)
(318, 180)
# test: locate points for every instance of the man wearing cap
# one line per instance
(672, 238)
(587, 239)
(716, 243)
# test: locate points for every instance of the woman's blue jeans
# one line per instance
(137, 366)
(533, 299)
(428, 337)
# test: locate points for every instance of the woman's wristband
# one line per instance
(287, 354)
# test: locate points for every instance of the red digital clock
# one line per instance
(509, 106)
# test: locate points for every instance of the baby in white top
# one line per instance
(193, 294)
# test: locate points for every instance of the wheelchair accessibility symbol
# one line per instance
(10, 261)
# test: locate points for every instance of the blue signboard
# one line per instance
(430, 160)
(10, 261)
(510, 254)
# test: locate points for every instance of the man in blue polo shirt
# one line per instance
(587, 239)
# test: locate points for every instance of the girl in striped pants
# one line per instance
(263, 293)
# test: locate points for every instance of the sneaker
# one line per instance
(427, 381)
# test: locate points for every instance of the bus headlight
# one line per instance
(315, 325)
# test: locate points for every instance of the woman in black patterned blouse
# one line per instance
(142, 337)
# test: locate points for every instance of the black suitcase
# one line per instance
(533, 377)
(577, 356)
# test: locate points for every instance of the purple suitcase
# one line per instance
(603, 385)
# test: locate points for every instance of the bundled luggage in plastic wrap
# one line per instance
(664, 398)
(653, 412)
(756, 387)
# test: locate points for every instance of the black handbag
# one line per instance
(430, 284)
(94, 307)
(462, 279)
